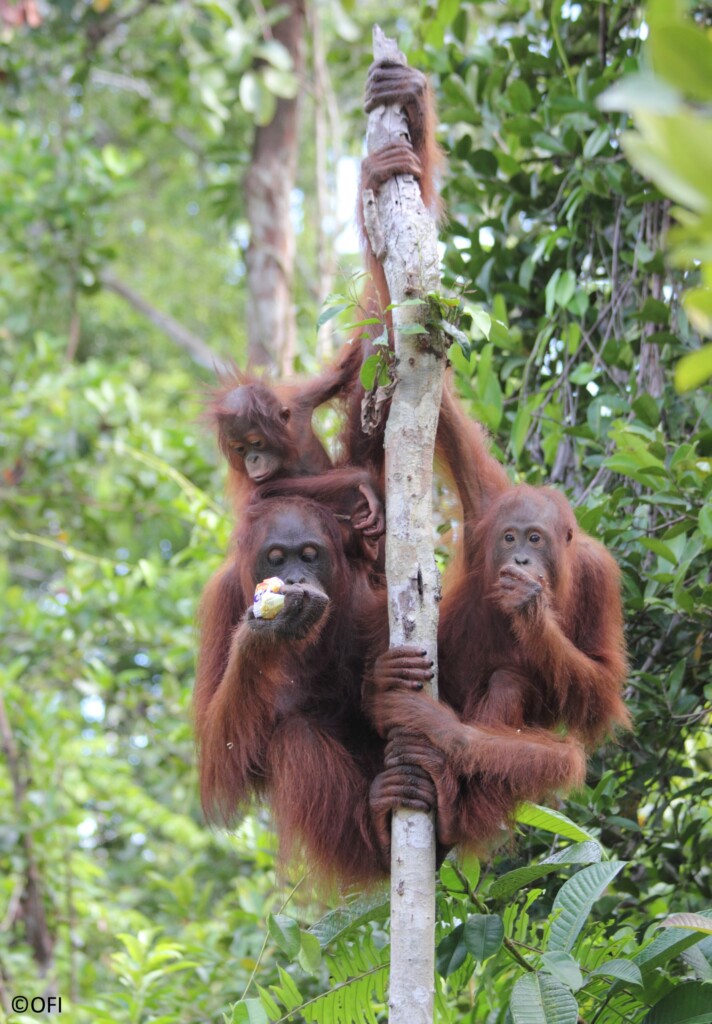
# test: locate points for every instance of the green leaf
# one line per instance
(287, 990)
(647, 409)
(623, 970)
(682, 54)
(565, 288)
(256, 98)
(694, 369)
(458, 360)
(705, 519)
(513, 881)
(520, 96)
(550, 144)
(580, 853)
(664, 947)
(374, 906)
(661, 149)
(481, 320)
(249, 1011)
(575, 900)
(501, 336)
(410, 329)
(472, 869)
(451, 952)
(450, 878)
(248, 91)
(541, 999)
(597, 140)
(641, 91)
(369, 370)
(564, 968)
(584, 373)
(285, 932)
(551, 821)
(281, 83)
(149, 572)
(276, 54)
(520, 428)
(689, 1003)
(550, 291)
(329, 313)
(118, 162)
(458, 336)
(310, 953)
(484, 934)
(660, 548)
(267, 1000)
(654, 311)
(697, 303)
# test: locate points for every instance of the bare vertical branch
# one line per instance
(403, 234)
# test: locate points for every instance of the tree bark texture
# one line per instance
(403, 233)
(271, 323)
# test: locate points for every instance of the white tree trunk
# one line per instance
(403, 234)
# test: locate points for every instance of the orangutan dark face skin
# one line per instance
(260, 461)
(528, 544)
(245, 443)
(296, 550)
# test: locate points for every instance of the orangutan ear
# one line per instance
(284, 414)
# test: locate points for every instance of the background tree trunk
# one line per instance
(268, 187)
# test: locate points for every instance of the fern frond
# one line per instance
(359, 975)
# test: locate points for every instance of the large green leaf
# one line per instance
(541, 999)
(694, 369)
(551, 821)
(575, 900)
(622, 970)
(484, 934)
(513, 881)
(689, 1003)
(668, 944)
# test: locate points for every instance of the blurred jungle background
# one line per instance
(177, 183)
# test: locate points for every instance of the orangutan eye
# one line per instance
(239, 448)
(275, 556)
(534, 538)
(309, 553)
(259, 443)
(509, 537)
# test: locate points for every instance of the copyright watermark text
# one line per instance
(37, 1004)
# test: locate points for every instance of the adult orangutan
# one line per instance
(530, 638)
(278, 701)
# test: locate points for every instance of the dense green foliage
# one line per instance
(124, 153)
